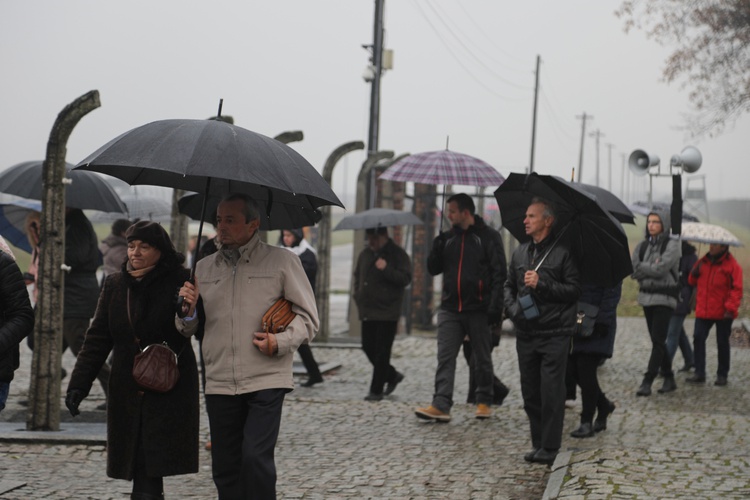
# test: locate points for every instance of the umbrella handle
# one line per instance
(183, 308)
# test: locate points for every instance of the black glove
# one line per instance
(494, 317)
(73, 400)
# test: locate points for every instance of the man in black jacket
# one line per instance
(383, 271)
(472, 260)
(540, 297)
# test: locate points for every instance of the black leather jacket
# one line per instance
(473, 267)
(16, 315)
(556, 293)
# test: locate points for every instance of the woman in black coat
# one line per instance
(149, 435)
(16, 318)
(588, 353)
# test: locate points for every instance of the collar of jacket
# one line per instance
(716, 259)
(245, 250)
(542, 245)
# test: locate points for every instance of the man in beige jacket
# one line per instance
(248, 372)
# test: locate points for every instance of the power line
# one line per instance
(460, 63)
(470, 53)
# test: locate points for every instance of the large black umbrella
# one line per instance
(609, 202)
(86, 190)
(213, 157)
(595, 237)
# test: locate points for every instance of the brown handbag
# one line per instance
(278, 316)
(155, 367)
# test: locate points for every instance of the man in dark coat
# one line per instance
(471, 259)
(382, 272)
(540, 296)
(83, 258)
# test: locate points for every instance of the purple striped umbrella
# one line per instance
(444, 167)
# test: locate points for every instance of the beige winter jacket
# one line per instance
(234, 300)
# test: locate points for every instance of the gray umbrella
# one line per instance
(86, 190)
(378, 217)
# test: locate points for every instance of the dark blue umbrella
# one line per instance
(13, 215)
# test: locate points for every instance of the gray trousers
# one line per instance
(542, 362)
(452, 328)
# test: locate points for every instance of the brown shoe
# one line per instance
(432, 413)
(483, 411)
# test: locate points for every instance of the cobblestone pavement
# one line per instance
(691, 443)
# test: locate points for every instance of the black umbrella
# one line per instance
(595, 237)
(86, 190)
(282, 216)
(609, 202)
(213, 157)
(378, 217)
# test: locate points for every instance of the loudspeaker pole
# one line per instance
(583, 119)
(533, 118)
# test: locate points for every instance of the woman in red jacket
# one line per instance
(718, 278)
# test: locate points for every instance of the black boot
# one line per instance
(645, 388)
(584, 431)
(669, 384)
(137, 495)
(600, 424)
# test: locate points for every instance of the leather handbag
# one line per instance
(155, 367)
(585, 319)
(278, 316)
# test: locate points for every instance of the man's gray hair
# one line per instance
(251, 209)
(549, 208)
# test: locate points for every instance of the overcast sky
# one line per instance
(463, 69)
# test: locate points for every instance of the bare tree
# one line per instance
(711, 56)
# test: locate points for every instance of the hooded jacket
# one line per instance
(719, 283)
(234, 297)
(473, 266)
(658, 271)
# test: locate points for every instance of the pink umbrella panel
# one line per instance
(444, 167)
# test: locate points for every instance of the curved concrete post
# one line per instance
(44, 390)
(323, 279)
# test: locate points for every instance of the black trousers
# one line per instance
(244, 430)
(311, 366)
(542, 362)
(582, 367)
(657, 320)
(377, 342)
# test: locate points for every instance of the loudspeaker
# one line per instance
(640, 161)
(690, 159)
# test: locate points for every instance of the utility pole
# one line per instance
(598, 134)
(583, 119)
(377, 67)
(609, 149)
(533, 118)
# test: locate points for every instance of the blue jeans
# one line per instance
(676, 337)
(723, 331)
(4, 390)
